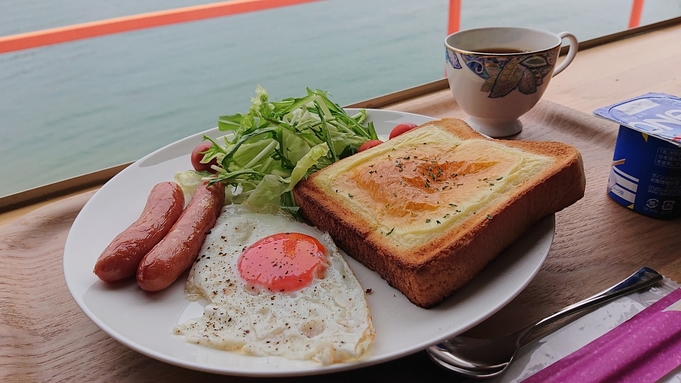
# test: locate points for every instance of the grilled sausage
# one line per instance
(180, 247)
(120, 259)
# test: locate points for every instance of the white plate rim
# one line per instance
(502, 281)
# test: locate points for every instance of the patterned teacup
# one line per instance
(497, 74)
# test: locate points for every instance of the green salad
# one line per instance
(266, 151)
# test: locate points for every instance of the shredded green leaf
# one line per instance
(268, 150)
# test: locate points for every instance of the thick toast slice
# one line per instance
(429, 209)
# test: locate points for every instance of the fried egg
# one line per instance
(276, 287)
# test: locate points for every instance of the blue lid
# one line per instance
(656, 114)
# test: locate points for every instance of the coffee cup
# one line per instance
(497, 74)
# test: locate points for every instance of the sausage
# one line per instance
(120, 259)
(180, 247)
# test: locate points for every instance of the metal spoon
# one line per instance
(485, 358)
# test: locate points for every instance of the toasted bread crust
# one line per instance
(428, 273)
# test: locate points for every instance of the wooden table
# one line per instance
(45, 337)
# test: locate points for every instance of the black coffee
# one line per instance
(499, 50)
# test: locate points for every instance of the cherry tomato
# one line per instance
(197, 156)
(402, 128)
(369, 144)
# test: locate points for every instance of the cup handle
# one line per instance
(572, 51)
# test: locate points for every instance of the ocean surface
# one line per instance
(77, 107)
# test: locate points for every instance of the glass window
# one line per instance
(77, 107)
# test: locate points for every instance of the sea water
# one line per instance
(78, 107)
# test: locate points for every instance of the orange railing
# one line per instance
(635, 15)
(135, 22)
(454, 20)
(200, 12)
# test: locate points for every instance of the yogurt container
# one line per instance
(645, 175)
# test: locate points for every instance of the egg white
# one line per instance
(327, 321)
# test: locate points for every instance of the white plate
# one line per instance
(143, 321)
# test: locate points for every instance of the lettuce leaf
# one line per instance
(268, 150)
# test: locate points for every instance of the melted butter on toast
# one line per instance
(424, 182)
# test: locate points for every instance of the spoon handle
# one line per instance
(644, 277)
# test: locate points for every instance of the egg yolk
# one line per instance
(283, 262)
